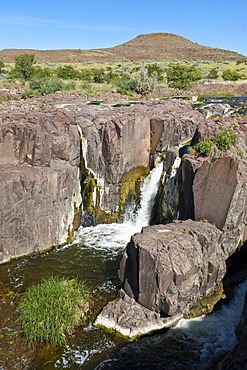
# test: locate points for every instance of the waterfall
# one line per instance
(113, 237)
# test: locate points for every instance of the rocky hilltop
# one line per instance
(152, 47)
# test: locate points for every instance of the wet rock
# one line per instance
(130, 319)
(121, 139)
(214, 109)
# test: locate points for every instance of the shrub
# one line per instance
(99, 75)
(225, 138)
(231, 75)
(204, 147)
(181, 76)
(24, 66)
(124, 85)
(143, 83)
(213, 74)
(52, 309)
(45, 86)
(2, 65)
(154, 68)
(67, 72)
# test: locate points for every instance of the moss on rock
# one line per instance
(129, 186)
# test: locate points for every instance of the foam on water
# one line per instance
(215, 333)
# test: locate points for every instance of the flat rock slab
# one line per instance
(130, 319)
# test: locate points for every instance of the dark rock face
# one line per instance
(40, 159)
(39, 182)
(121, 139)
(167, 268)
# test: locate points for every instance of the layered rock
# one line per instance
(39, 182)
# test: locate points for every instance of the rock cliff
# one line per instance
(126, 140)
(44, 145)
(168, 268)
(39, 182)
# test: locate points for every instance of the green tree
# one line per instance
(181, 76)
(232, 75)
(24, 66)
(99, 75)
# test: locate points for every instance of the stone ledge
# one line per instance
(131, 320)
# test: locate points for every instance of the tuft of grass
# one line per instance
(52, 309)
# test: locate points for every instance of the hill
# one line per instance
(152, 47)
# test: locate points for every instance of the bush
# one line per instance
(154, 68)
(124, 85)
(181, 76)
(45, 86)
(232, 75)
(24, 66)
(225, 138)
(143, 82)
(204, 147)
(67, 72)
(52, 309)
(2, 65)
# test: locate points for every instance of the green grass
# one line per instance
(52, 309)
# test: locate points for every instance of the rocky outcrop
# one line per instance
(39, 182)
(40, 156)
(124, 139)
(167, 268)
(215, 109)
(130, 319)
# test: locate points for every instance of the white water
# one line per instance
(215, 334)
(113, 237)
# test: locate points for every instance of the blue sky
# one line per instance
(60, 24)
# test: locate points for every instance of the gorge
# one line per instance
(46, 182)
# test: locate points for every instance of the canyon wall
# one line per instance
(48, 157)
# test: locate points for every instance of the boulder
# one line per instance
(130, 319)
(167, 268)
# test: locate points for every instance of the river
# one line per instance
(93, 258)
